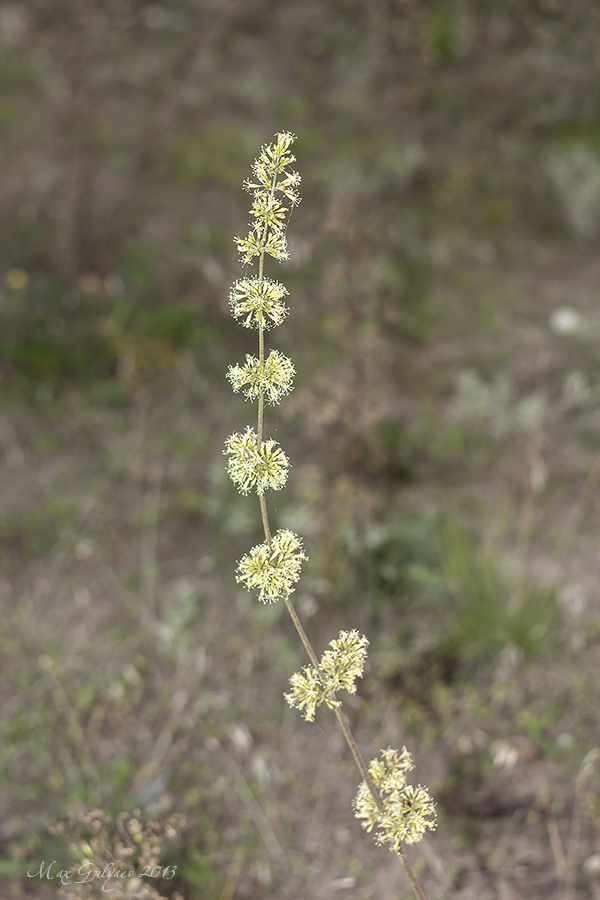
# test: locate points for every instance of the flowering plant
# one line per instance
(385, 801)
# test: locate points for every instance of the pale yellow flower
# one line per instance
(273, 380)
(340, 665)
(251, 466)
(408, 810)
(273, 569)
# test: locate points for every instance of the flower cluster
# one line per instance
(267, 233)
(407, 812)
(273, 380)
(273, 567)
(259, 301)
(340, 666)
(274, 159)
(251, 466)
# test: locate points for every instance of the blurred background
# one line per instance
(444, 435)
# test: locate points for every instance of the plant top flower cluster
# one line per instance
(255, 464)
(339, 668)
(408, 811)
(267, 233)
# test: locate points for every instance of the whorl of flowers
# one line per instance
(340, 666)
(273, 380)
(258, 301)
(408, 811)
(273, 568)
(251, 466)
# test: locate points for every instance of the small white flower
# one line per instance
(565, 320)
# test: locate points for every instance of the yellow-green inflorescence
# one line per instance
(251, 466)
(273, 379)
(273, 568)
(407, 811)
(340, 666)
(255, 464)
(399, 812)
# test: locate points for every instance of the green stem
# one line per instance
(411, 875)
(303, 635)
(261, 363)
(261, 398)
(265, 518)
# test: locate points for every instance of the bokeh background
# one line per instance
(444, 434)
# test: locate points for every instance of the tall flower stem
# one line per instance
(274, 567)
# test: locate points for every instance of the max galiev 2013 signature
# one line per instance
(88, 871)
